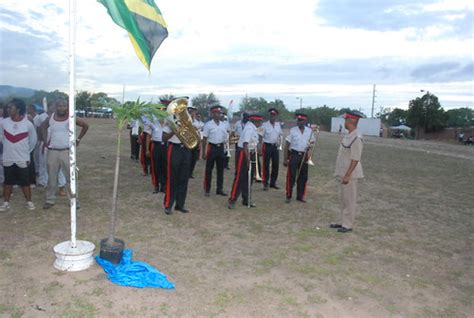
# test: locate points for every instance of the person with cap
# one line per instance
(248, 142)
(271, 137)
(156, 151)
(198, 125)
(348, 171)
(178, 164)
(238, 129)
(214, 135)
(296, 154)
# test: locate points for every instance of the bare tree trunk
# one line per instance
(111, 239)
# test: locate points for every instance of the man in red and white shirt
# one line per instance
(19, 139)
(55, 131)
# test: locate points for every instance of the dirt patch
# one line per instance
(409, 256)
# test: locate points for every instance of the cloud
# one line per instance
(444, 72)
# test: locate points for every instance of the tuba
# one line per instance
(181, 123)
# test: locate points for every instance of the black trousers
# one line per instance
(134, 147)
(194, 158)
(215, 156)
(158, 165)
(240, 185)
(294, 165)
(144, 160)
(178, 160)
(271, 154)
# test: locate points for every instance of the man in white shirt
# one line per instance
(55, 131)
(349, 171)
(19, 138)
(215, 134)
(198, 125)
(298, 146)
(134, 127)
(178, 163)
(271, 138)
(248, 142)
(156, 151)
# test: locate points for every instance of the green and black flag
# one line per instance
(144, 23)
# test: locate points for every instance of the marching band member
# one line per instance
(348, 171)
(226, 152)
(198, 125)
(214, 134)
(239, 127)
(178, 163)
(271, 137)
(156, 148)
(298, 147)
(241, 182)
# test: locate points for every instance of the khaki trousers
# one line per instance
(348, 199)
(56, 160)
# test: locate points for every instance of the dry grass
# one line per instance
(410, 255)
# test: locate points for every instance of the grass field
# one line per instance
(410, 255)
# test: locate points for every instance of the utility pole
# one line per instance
(373, 102)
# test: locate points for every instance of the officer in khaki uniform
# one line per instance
(348, 171)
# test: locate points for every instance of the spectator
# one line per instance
(19, 139)
(461, 137)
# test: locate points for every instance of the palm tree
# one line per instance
(123, 114)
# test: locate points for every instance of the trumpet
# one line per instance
(280, 143)
(309, 162)
(253, 149)
(227, 145)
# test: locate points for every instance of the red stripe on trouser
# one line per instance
(264, 174)
(142, 152)
(237, 176)
(288, 179)
(168, 177)
(154, 180)
(206, 181)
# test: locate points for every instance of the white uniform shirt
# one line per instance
(300, 141)
(135, 127)
(239, 127)
(174, 139)
(155, 129)
(271, 133)
(248, 134)
(215, 133)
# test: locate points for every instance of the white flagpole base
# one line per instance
(73, 259)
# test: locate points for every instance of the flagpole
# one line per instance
(73, 255)
(72, 118)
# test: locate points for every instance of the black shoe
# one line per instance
(265, 188)
(301, 200)
(288, 200)
(335, 226)
(156, 190)
(184, 210)
(221, 193)
(344, 230)
(250, 206)
(274, 186)
(231, 205)
(168, 211)
(191, 177)
(207, 194)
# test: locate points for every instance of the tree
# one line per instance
(83, 100)
(397, 117)
(203, 103)
(460, 117)
(425, 114)
(125, 113)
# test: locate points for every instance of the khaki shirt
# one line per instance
(350, 149)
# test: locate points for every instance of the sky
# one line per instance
(305, 52)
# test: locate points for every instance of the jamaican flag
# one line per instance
(144, 23)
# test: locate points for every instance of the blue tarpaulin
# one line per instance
(134, 274)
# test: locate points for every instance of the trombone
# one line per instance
(310, 161)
